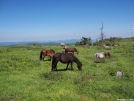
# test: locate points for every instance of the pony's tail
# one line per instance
(41, 55)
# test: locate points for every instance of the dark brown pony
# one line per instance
(65, 58)
(71, 50)
(49, 53)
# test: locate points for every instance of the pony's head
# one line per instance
(108, 53)
(105, 54)
(76, 50)
(79, 66)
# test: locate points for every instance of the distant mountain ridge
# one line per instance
(71, 41)
(67, 41)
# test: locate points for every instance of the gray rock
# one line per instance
(119, 74)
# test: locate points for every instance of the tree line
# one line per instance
(108, 41)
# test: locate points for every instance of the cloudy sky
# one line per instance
(47, 20)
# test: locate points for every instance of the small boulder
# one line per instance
(119, 74)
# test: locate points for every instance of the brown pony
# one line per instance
(70, 50)
(49, 53)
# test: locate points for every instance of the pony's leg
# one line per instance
(72, 65)
(55, 65)
(43, 58)
(52, 69)
(103, 60)
(95, 59)
(67, 66)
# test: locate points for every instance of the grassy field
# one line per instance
(23, 77)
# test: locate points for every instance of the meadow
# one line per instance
(23, 77)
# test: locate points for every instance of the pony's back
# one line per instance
(99, 55)
(64, 57)
(52, 50)
(71, 50)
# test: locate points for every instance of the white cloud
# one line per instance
(133, 28)
(74, 34)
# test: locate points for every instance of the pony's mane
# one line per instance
(52, 50)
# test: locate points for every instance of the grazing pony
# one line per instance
(65, 58)
(107, 47)
(49, 53)
(66, 50)
(99, 56)
(102, 55)
(114, 44)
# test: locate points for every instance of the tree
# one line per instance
(101, 36)
(77, 43)
(89, 40)
(33, 44)
(85, 41)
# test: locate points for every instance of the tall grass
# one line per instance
(24, 77)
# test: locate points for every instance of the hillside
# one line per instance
(24, 77)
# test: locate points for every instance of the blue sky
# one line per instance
(48, 20)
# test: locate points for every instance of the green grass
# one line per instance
(24, 77)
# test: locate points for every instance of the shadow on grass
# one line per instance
(64, 69)
(61, 70)
(47, 60)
